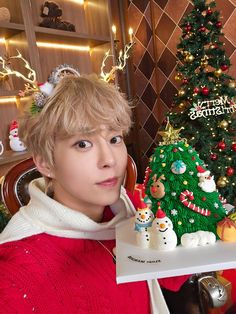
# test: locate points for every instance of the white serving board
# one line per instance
(137, 264)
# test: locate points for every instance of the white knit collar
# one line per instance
(45, 215)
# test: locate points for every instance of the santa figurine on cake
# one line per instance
(15, 143)
(163, 237)
(206, 182)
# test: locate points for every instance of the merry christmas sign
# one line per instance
(214, 107)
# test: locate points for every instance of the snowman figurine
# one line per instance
(143, 221)
(163, 237)
(15, 143)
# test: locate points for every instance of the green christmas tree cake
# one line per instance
(179, 183)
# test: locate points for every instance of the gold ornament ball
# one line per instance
(185, 53)
(204, 63)
(223, 124)
(222, 182)
(232, 84)
(181, 92)
(189, 58)
(181, 105)
(178, 77)
(218, 73)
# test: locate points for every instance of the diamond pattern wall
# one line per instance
(157, 32)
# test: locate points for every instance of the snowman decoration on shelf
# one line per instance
(143, 221)
(15, 143)
(163, 237)
(206, 182)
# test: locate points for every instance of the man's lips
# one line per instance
(109, 182)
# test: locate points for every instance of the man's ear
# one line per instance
(43, 166)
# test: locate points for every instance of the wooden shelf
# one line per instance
(8, 29)
(65, 37)
(10, 156)
(9, 93)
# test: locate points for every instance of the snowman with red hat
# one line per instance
(15, 142)
(163, 237)
(143, 221)
(206, 182)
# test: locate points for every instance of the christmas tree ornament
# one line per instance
(209, 11)
(202, 29)
(230, 171)
(233, 147)
(196, 90)
(219, 24)
(223, 124)
(221, 182)
(224, 67)
(213, 156)
(188, 28)
(218, 72)
(205, 91)
(189, 58)
(181, 92)
(232, 84)
(221, 145)
(178, 77)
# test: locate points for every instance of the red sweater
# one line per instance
(49, 274)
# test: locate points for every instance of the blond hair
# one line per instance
(77, 104)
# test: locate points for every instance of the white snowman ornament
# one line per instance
(206, 182)
(143, 221)
(163, 237)
(15, 143)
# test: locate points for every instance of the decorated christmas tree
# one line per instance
(178, 181)
(205, 102)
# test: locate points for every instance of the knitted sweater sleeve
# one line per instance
(13, 297)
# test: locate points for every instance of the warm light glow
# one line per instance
(113, 28)
(2, 40)
(62, 46)
(8, 99)
(131, 34)
(78, 1)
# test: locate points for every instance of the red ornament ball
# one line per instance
(202, 29)
(185, 81)
(214, 156)
(205, 91)
(209, 11)
(188, 28)
(233, 147)
(203, 198)
(230, 171)
(224, 67)
(196, 90)
(175, 150)
(221, 145)
(219, 24)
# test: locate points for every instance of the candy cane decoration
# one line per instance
(185, 196)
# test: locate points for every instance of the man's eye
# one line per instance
(116, 139)
(83, 144)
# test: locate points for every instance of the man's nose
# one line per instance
(106, 156)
